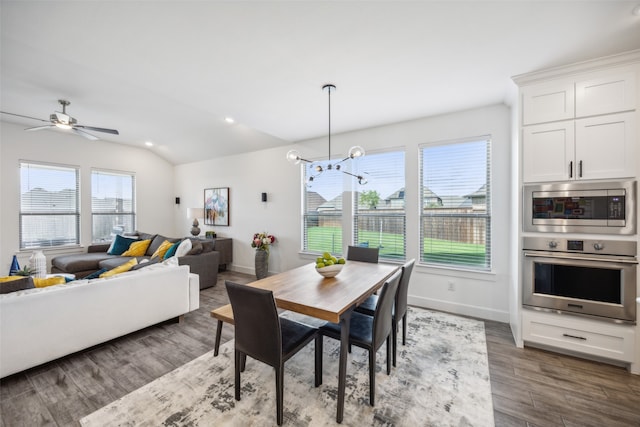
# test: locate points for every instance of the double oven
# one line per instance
(580, 249)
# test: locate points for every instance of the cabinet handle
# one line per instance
(571, 169)
(580, 169)
(574, 336)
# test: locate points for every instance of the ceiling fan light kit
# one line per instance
(62, 120)
(293, 156)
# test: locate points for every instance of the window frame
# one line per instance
(132, 213)
(22, 213)
(487, 215)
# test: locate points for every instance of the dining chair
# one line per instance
(261, 334)
(370, 332)
(368, 307)
(359, 253)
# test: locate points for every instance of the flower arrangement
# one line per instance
(262, 241)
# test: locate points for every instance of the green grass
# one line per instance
(437, 251)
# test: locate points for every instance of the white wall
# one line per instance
(154, 182)
(477, 294)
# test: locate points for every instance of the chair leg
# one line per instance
(394, 339)
(404, 329)
(389, 354)
(279, 392)
(318, 347)
(218, 333)
(243, 362)
(372, 377)
(238, 361)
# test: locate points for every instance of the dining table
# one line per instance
(303, 290)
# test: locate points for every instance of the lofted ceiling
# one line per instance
(169, 72)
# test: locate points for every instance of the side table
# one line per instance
(224, 245)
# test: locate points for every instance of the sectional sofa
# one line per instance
(202, 259)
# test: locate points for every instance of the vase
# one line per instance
(38, 263)
(262, 264)
(15, 267)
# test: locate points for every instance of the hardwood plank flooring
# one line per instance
(530, 387)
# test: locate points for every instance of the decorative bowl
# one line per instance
(330, 270)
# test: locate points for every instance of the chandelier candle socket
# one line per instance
(293, 156)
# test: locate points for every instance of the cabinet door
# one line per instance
(548, 152)
(605, 146)
(603, 95)
(548, 102)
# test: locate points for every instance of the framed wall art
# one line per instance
(216, 206)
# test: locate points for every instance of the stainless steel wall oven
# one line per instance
(581, 276)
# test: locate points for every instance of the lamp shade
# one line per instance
(195, 213)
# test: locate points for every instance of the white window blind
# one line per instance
(112, 204)
(49, 205)
(322, 210)
(379, 218)
(455, 203)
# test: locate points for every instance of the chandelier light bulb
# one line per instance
(356, 151)
(318, 168)
(293, 157)
(63, 126)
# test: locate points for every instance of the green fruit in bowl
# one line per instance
(319, 259)
(320, 264)
(341, 261)
(329, 262)
(326, 255)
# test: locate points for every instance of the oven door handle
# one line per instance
(575, 258)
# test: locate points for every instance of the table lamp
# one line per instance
(195, 213)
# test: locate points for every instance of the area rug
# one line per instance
(441, 379)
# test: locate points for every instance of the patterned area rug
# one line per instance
(442, 379)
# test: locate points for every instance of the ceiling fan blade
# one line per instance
(40, 127)
(83, 133)
(26, 117)
(112, 131)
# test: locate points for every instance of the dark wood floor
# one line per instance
(530, 387)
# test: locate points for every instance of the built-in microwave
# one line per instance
(580, 207)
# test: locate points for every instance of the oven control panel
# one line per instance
(587, 246)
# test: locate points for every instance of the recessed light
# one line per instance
(229, 119)
(149, 144)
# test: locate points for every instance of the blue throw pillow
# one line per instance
(172, 250)
(95, 274)
(120, 244)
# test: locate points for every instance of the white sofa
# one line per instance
(39, 325)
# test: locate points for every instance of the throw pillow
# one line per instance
(120, 244)
(120, 269)
(196, 248)
(162, 249)
(50, 281)
(15, 283)
(137, 248)
(171, 251)
(184, 248)
(95, 274)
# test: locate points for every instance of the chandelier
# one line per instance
(294, 157)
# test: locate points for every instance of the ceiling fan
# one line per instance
(62, 120)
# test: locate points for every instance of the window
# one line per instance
(49, 205)
(455, 203)
(112, 204)
(322, 216)
(379, 209)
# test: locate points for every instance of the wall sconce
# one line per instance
(195, 213)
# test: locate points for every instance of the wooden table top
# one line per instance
(305, 291)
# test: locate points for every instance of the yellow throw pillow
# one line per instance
(120, 269)
(43, 283)
(162, 249)
(137, 248)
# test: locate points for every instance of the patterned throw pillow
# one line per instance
(137, 248)
(162, 249)
(50, 281)
(15, 283)
(120, 269)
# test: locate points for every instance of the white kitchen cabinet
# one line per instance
(548, 152)
(548, 102)
(611, 93)
(605, 147)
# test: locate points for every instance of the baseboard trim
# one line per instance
(461, 309)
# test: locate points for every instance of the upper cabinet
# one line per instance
(580, 125)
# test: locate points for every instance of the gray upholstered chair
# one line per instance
(370, 332)
(359, 253)
(261, 334)
(368, 307)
